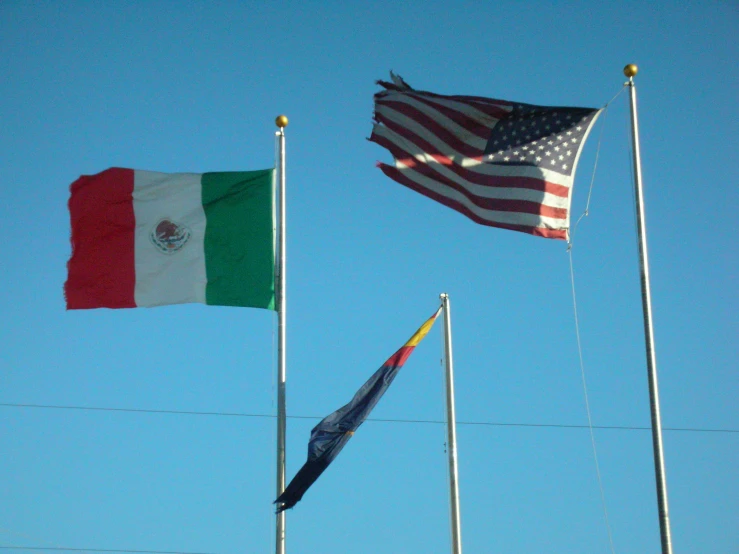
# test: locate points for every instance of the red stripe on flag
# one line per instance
(462, 119)
(398, 176)
(493, 181)
(399, 358)
(489, 106)
(495, 204)
(430, 125)
(101, 271)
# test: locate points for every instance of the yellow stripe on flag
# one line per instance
(423, 330)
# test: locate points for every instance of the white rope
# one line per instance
(586, 212)
(577, 323)
(587, 406)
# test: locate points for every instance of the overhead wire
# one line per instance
(379, 420)
(64, 549)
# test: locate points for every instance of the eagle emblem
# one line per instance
(168, 237)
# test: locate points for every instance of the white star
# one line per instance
(506, 159)
(560, 137)
(550, 142)
(578, 128)
(538, 158)
(561, 158)
(569, 152)
(554, 162)
(569, 132)
(500, 151)
(556, 148)
(541, 147)
(565, 144)
(574, 140)
(515, 153)
(547, 153)
(522, 158)
(564, 166)
(525, 148)
(490, 157)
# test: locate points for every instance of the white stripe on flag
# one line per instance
(462, 107)
(483, 191)
(179, 277)
(462, 134)
(460, 160)
(493, 216)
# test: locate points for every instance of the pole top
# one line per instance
(631, 70)
(281, 121)
(443, 296)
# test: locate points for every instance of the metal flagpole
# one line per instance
(659, 463)
(451, 430)
(281, 122)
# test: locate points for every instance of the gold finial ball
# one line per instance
(631, 70)
(281, 121)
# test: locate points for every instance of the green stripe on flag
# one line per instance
(239, 238)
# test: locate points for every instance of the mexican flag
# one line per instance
(142, 238)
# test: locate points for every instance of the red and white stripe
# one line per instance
(438, 144)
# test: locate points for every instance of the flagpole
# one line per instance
(659, 463)
(281, 123)
(451, 430)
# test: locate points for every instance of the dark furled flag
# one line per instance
(334, 431)
(503, 164)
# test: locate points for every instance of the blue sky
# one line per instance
(195, 86)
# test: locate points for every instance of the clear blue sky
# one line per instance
(195, 86)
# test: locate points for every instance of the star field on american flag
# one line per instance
(539, 136)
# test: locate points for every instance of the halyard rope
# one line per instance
(577, 325)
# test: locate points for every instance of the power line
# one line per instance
(97, 550)
(177, 412)
(430, 421)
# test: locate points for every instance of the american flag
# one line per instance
(503, 164)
